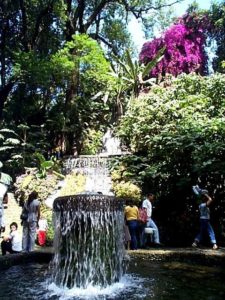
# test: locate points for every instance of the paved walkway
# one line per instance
(12, 213)
(201, 255)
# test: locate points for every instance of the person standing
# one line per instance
(147, 204)
(131, 218)
(205, 226)
(5, 182)
(30, 225)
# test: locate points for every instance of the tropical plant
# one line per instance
(47, 166)
(9, 144)
(133, 73)
(93, 142)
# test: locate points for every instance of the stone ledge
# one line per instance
(10, 260)
(201, 256)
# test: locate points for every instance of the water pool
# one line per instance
(145, 280)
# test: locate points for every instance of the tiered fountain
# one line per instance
(89, 248)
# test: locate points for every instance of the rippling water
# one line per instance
(145, 280)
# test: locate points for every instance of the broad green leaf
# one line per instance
(153, 62)
(47, 164)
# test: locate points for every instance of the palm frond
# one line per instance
(130, 63)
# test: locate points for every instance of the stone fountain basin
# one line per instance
(202, 256)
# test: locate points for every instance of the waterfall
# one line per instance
(96, 171)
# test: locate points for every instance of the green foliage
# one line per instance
(189, 110)
(9, 146)
(217, 35)
(133, 73)
(93, 142)
(55, 73)
(74, 184)
(44, 165)
(82, 61)
(50, 232)
(21, 144)
(84, 55)
(178, 136)
(123, 179)
(26, 183)
(127, 190)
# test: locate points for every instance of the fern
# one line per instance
(12, 141)
(6, 130)
(4, 148)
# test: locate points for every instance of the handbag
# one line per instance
(24, 214)
(143, 217)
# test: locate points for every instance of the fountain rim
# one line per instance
(91, 201)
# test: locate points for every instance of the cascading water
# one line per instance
(89, 248)
(96, 171)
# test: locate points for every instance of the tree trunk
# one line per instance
(4, 92)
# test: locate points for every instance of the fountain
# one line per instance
(111, 144)
(95, 168)
(88, 241)
(89, 248)
(88, 261)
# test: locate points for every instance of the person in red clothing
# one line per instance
(42, 231)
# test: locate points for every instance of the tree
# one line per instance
(32, 34)
(84, 59)
(185, 43)
(24, 28)
(217, 33)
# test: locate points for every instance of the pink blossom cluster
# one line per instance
(184, 50)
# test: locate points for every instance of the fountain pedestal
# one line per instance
(88, 240)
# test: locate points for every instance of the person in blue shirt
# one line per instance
(205, 226)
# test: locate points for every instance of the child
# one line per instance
(205, 225)
(13, 242)
(42, 228)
